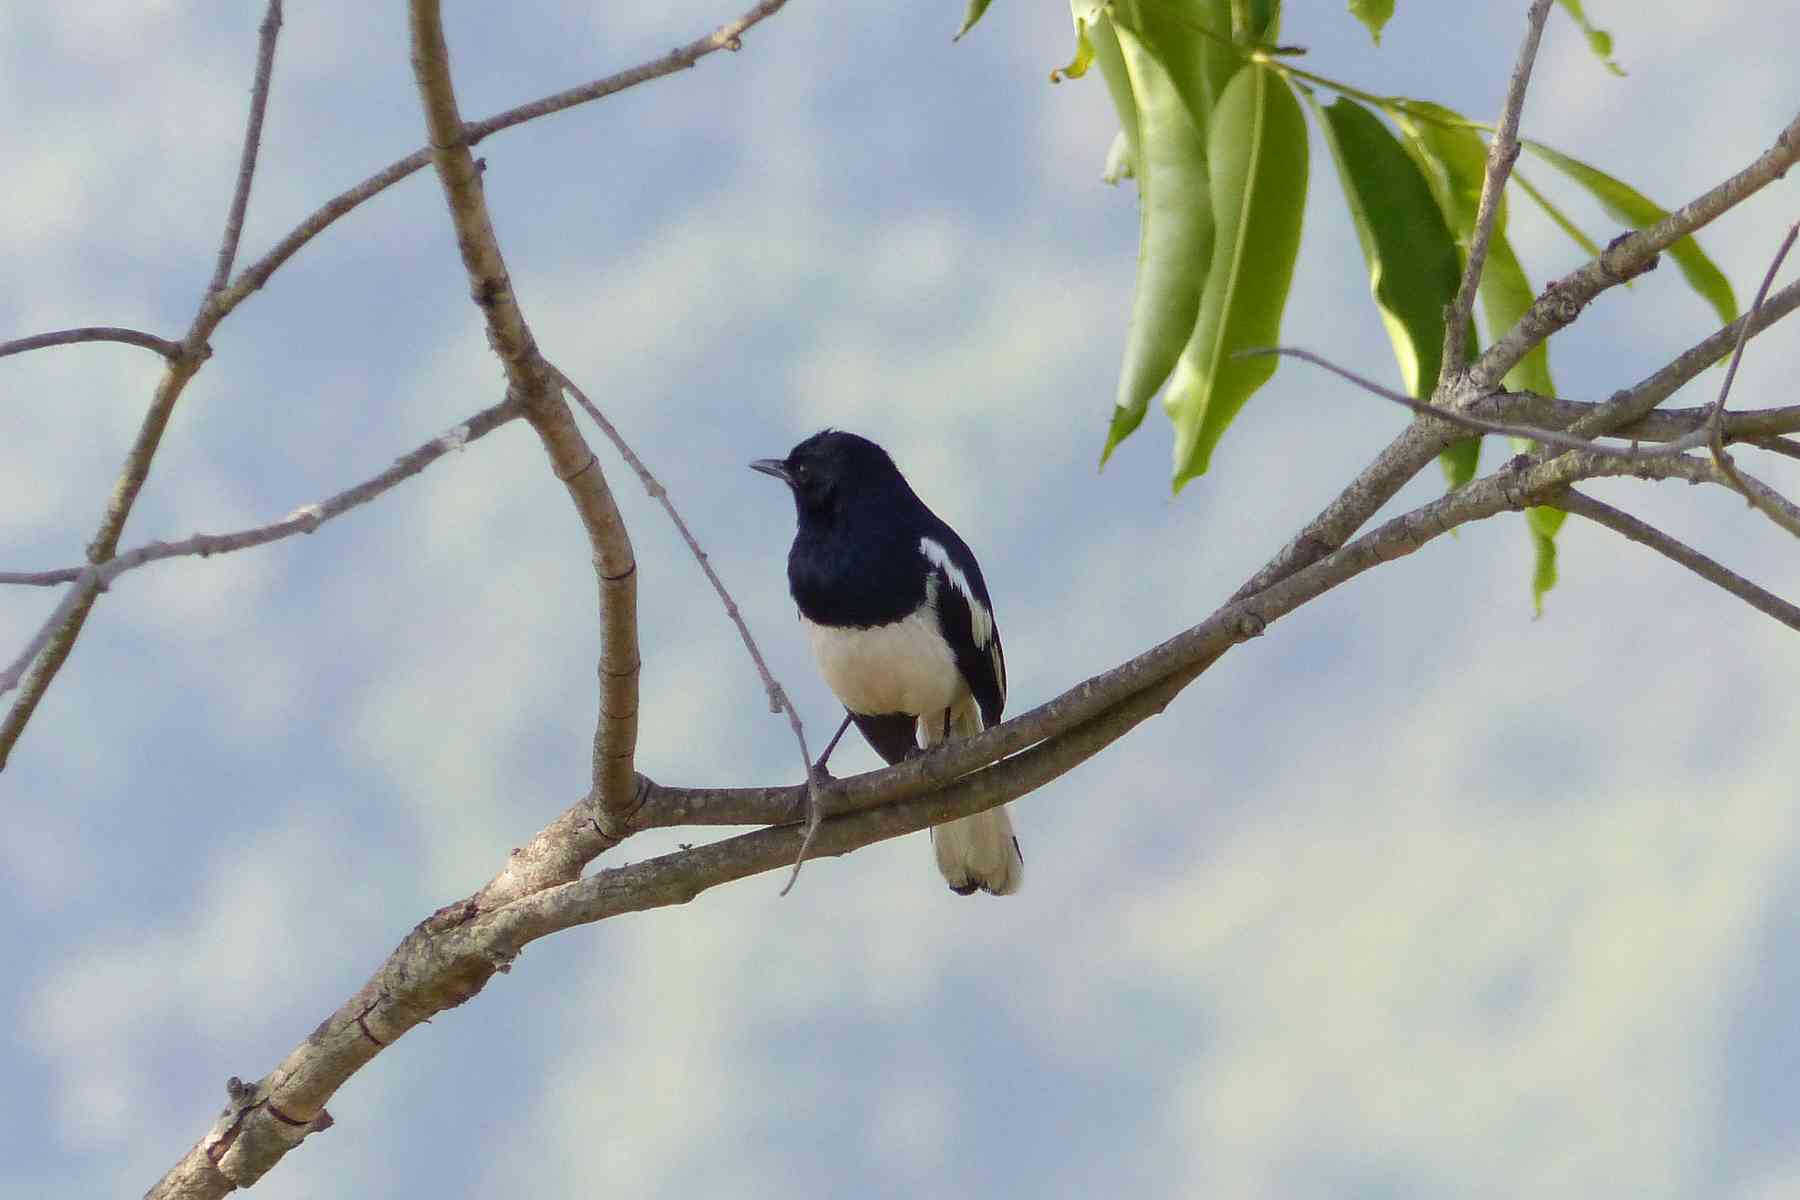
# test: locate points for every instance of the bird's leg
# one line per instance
(819, 767)
(816, 777)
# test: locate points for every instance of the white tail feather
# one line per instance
(978, 851)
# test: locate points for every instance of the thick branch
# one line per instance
(533, 382)
(449, 957)
(1626, 258)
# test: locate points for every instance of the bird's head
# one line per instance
(830, 469)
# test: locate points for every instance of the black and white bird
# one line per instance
(901, 625)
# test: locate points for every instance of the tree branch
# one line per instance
(91, 333)
(1755, 426)
(1503, 152)
(1626, 258)
(1698, 433)
(726, 37)
(71, 615)
(532, 381)
(259, 103)
(182, 365)
(1633, 403)
(778, 697)
(305, 519)
(1715, 422)
(451, 955)
(1583, 505)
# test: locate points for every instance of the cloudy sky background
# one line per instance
(1413, 895)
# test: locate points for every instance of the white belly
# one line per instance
(906, 667)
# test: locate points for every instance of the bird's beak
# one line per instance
(774, 466)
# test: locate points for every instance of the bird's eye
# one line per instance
(802, 473)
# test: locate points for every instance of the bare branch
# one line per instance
(1753, 426)
(778, 697)
(726, 37)
(187, 359)
(1715, 424)
(1648, 535)
(1503, 152)
(1476, 424)
(259, 102)
(1626, 258)
(91, 333)
(1776, 445)
(1634, 402)
(48, 656)
(451, 956)
(305, 519)
(532, 381)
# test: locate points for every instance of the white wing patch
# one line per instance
(981, 621)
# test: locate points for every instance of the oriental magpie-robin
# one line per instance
(901, 625)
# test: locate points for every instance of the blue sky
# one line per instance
(1414, 894)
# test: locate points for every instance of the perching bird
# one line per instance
(901, 625)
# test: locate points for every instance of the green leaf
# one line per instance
(1631, 206)
(1259, 163)
(971, 15)
(1576, 234)
(1446, 141)
(1406, 244)
(1265, 20)
(1374, 14)
(1175, 237)
(1599, 41)
(1192, 39)
(1093, 27)
(1543, 522)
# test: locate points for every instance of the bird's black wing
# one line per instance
(893, 735)
(966, 618)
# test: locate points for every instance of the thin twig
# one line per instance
(1554, 437)
(1631, 404)
(72, 614)
(92, 333)
(47, 660)
(1502, 154)
(1715, 424)
(259, 103)
(305, 519)
(778, 697)
(726, 37)
(1583, 505)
